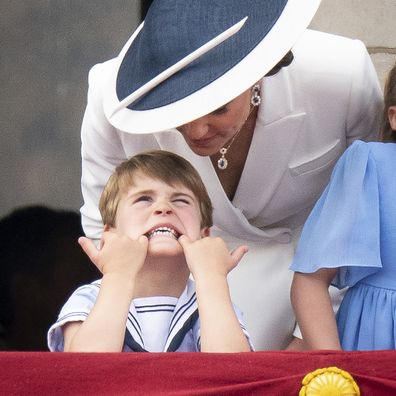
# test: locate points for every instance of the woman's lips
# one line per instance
(201, 143)
(204, 142)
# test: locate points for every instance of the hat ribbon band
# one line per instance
(179, 65)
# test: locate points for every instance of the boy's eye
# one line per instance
(182, 200)
(143, 198)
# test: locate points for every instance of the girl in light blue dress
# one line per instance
(349, 240)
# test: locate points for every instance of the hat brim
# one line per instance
(294, 19)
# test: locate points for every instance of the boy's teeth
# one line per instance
(164, 231)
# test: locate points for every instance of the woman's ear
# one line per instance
(392, 117)
(205, 232)
(106, 227)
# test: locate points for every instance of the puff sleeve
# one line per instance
(77, 308)
(343, 229)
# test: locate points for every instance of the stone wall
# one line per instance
(372, 21)
(48, 47)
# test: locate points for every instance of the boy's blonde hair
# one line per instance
(158, 164)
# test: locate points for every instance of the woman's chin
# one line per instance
(204, 152)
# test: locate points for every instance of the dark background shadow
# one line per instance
(41, 264)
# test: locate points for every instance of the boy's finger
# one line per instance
(238, 253)
(184, 241)
(143, 240)
(106, 235)
(89, 248)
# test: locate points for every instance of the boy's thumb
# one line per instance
(238, 253)
(89, 248)
(184, 241)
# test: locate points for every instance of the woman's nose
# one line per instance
(194, 130)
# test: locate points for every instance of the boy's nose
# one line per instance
(163, 208)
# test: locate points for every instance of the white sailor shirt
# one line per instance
(154, 324)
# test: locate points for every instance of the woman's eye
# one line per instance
(220, 110)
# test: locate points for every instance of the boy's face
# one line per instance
(161, 212)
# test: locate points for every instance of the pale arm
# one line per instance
(210, 262)
(296, 344)
(312, 305)
(104, 328)
(119, 260)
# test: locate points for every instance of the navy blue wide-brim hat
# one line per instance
(190, 57)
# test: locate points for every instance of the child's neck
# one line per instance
(162, 277)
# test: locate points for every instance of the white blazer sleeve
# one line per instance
(101, 152)
(103, 147)
(366, 103)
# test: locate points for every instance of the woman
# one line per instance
(202, 80)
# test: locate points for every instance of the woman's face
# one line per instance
(208, 134)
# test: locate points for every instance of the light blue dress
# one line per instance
(353, 228)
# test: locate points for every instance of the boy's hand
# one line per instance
(118, 253)
(210, 255)
(210, 262)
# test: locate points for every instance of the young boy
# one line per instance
(157, 215)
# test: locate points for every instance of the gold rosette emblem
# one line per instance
(330, 381)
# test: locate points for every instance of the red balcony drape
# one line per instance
(254, 373)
